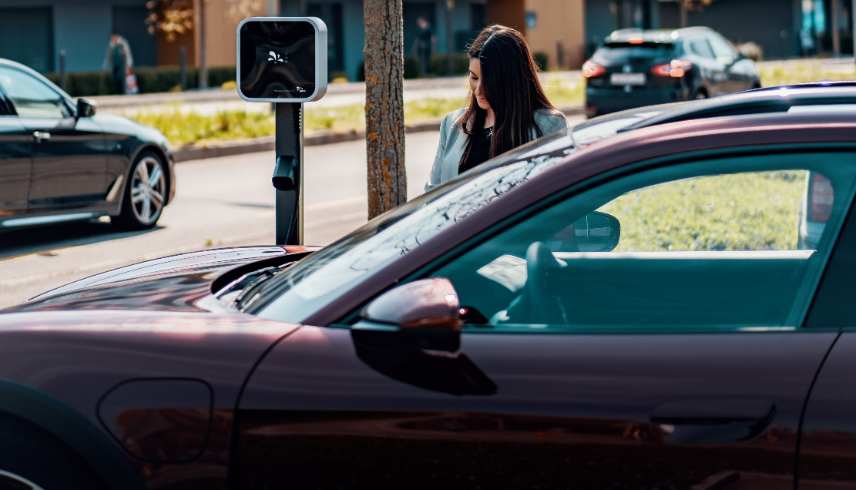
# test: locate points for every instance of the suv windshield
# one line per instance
(297, 292)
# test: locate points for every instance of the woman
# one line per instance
(507, 106)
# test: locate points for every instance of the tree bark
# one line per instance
(384, 52)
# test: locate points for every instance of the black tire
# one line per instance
(700, 95)
(145, 212)
(32, 459)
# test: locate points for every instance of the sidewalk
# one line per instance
(338, 94)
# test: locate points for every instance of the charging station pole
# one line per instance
(289, 145)
(283, 61)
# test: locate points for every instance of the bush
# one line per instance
(460, 66)
(541, 60)
(149, 80)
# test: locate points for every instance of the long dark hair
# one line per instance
(509, 78)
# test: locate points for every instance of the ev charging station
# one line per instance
(283, 60)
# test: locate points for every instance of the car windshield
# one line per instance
(620, 52)
(298, 292)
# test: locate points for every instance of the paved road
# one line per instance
(219, 202)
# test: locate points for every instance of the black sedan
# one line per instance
(634, 313)
(59, 161)
(635, 68)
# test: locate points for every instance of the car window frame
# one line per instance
(731, 52)
(62, 96)
(702, 39)
(622, 172)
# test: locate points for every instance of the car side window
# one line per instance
(713, 244)
(32, 97)
(723, 51)
(701, 48)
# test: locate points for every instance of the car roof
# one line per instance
(654, 35)
(758, 101)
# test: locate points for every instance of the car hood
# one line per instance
(175, 283)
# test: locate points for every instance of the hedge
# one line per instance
(438, 66)
(149, 80)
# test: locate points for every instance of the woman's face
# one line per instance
(476, 83)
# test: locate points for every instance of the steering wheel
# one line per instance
(539, 301)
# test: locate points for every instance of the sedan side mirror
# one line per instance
(426, 312)
(86, 107)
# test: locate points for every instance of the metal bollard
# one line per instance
(62, 70)
(183, 69)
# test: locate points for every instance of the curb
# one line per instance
(315, 138)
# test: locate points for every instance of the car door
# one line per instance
(828, 439)
(69, 159)
(15, 161)
(676, 360)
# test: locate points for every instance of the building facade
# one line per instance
(34, 32)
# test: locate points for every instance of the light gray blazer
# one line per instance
(453, 142)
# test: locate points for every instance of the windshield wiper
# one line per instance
(251, 283)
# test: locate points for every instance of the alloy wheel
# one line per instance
(12, 481)
(148, 188)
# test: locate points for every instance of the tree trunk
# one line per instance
(384, 52)
(682, 7)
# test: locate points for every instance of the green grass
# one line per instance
(777, 73)
(749, 211)
(185, 128)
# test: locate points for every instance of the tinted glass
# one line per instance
(277, 60)
(701, 245)
(622, 52)
(722, 50)
(31, 96)
(701, 48)
(300, 291)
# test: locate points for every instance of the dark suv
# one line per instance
(635, 68)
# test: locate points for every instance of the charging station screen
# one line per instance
(277, 60)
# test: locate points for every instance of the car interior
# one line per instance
(666, 248)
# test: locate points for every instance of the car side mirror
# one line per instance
(411, 334)
(597, 232)
(425, 312)
(86, 107)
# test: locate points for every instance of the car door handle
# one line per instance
(41, 135)
(713, 421)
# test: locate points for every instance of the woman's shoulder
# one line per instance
(453, 119)
(550, 120)
(454, 116)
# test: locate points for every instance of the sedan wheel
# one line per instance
(700, 96)
(144, 194)
(14, 482)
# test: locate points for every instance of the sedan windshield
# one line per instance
(296, 293)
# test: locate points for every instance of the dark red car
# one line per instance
(631, 314)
